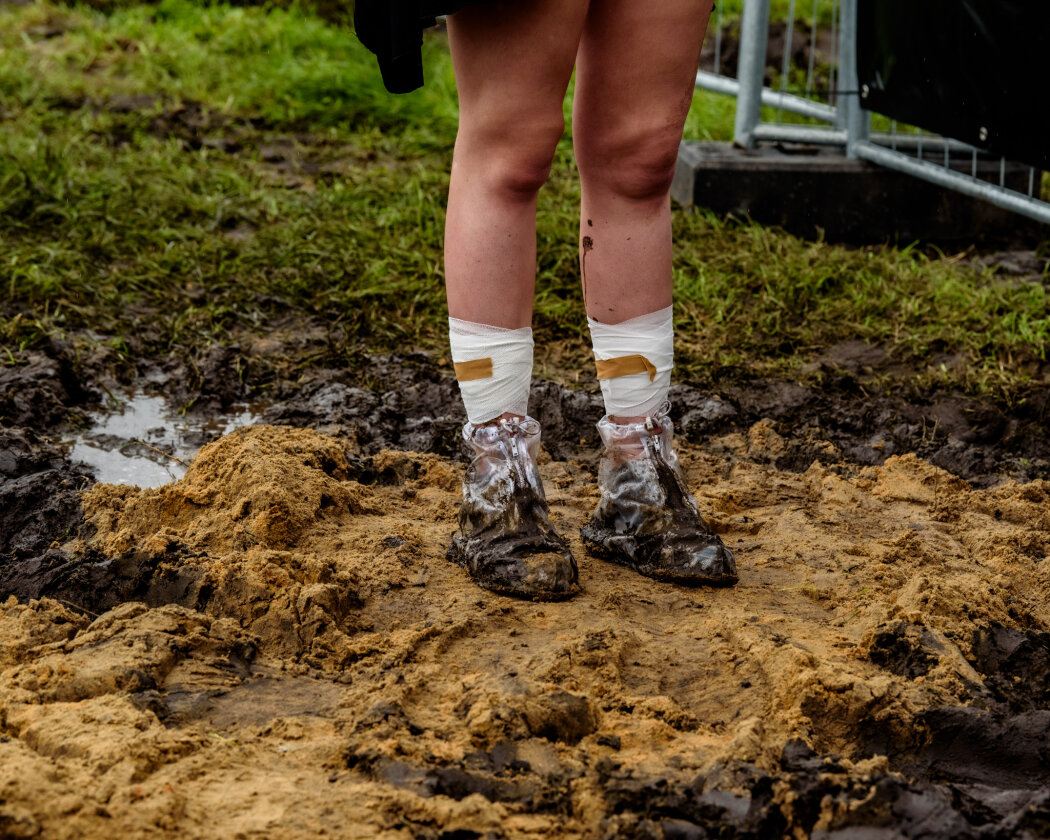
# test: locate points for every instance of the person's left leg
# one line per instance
(635, 74)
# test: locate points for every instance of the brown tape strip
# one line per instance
(474, 369)
(625, 366)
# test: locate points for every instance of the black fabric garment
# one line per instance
(393, 30)
(974, 70)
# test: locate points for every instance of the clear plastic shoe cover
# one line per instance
(505, 537)
(646, 517)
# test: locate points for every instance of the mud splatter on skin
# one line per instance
(586, 246)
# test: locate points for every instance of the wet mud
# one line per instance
(846, 419)
(39, 493)
(42, 389)
(411, 402)
(276, 644)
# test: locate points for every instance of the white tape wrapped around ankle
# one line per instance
(500, 386)
(650, 337)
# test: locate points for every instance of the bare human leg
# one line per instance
(634, 81)
(512, 62)
(635, 72)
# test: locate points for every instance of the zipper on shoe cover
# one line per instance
(510, 427)
(649, 442)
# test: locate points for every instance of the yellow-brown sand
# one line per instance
(325, 633)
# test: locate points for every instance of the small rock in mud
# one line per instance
(561, 716)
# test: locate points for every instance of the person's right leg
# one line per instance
(512, 62)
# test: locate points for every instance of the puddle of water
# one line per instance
(145, 442)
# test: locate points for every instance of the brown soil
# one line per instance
(276, 646)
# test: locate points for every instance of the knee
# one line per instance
(636, 164)
(513, 156)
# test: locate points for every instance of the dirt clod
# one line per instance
(561, 716)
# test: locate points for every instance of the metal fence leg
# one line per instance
(857, 120)
(754, 32)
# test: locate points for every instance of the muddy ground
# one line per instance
(276, 646)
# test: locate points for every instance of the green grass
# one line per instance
(172, 176)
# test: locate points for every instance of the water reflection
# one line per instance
(144, 441)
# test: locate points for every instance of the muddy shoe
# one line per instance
(505, 537)
(646, 518)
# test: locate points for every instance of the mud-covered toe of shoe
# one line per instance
(695, 560)
(535, 573)
(690, 559)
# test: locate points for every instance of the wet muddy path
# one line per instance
(275, 645)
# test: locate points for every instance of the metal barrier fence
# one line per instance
(832, 36)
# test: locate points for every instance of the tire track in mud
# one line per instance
(279, 632)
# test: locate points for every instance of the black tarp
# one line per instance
(974, 70)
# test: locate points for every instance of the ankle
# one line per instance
(496, 421)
